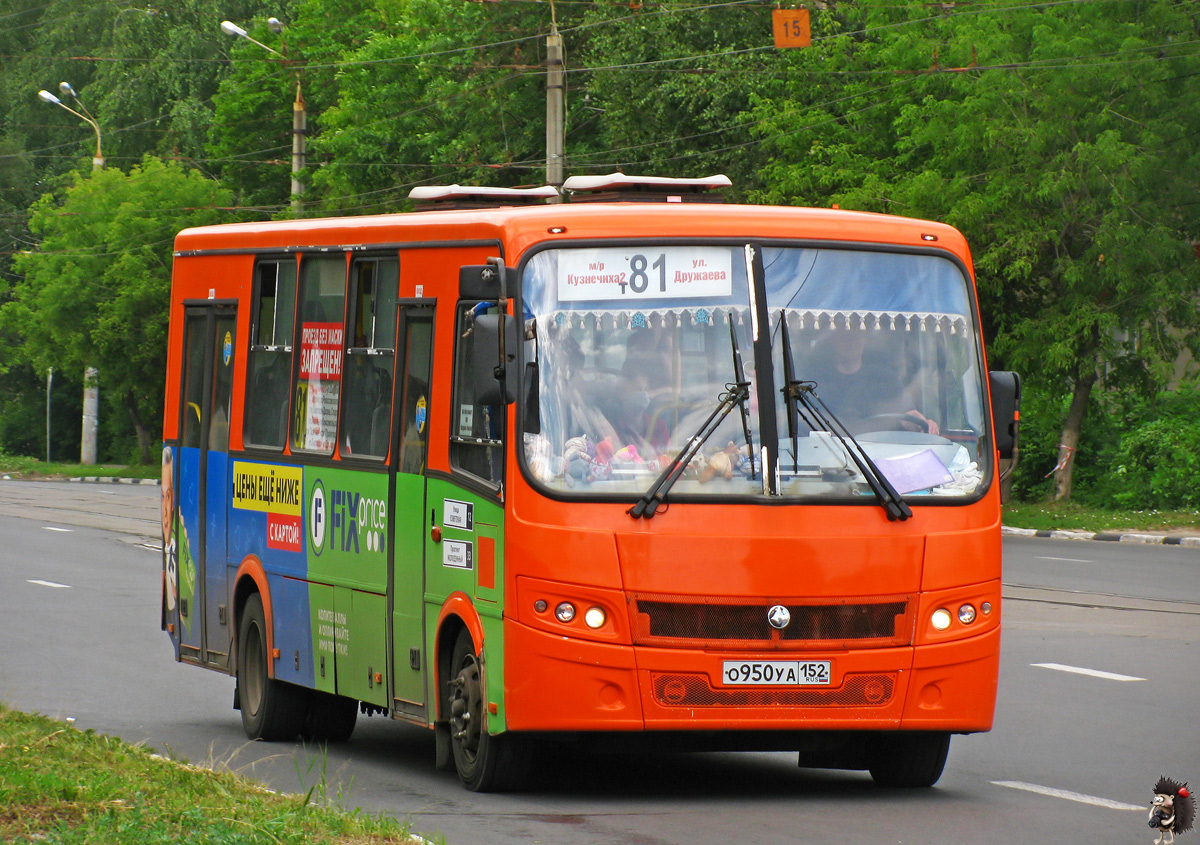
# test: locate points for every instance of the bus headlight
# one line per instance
(966, 614)
(565, 612)
(595, 617)
(941, 619)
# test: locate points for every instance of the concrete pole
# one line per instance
(299, 151)
(91, 415)
(91, 377)
(555, 90)
(49, 389)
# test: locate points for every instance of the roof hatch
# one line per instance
(619, 187)
(448, 197)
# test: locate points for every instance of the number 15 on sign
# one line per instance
(791, 27)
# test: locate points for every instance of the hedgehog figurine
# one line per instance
(1172, 811)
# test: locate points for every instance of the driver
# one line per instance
(857, 385)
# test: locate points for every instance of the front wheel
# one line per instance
(271, 710)
(485, 763)
(909, 760)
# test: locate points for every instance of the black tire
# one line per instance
(909, 760)
(271, 710)
(485, 763)
(330, 718)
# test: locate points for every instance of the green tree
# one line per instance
(446, 92)
(1059, 142)
(665, 89)
(95, 290)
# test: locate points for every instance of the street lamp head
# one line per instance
(66, 89)
(276, 25)
(47, 97)
(230, 28)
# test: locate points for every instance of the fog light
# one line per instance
(540, 605)
(565, 612)
(966, 614)
(941, 619)
(986, 607)
(594, 618)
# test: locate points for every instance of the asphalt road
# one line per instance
(1097, 699)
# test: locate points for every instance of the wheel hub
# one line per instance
(466, 707)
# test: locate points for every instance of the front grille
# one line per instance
(680, 690)
(742, 623)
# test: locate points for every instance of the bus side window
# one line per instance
(270, 358)
(319, 376)
(370, 358)
(476, 430)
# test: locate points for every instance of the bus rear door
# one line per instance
(409, 523)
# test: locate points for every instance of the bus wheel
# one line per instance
(913, 759)
(271, 710)
(330, 718)
(485, 763)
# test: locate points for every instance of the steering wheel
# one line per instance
(891, 422)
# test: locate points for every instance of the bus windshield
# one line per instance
(631, 349)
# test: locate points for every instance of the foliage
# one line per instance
(665, 89)
(419, 103)
(1157, 462)
(1057, 145)
(95, 291)
(71, 787)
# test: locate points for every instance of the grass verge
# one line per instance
(23, 467)
(1072, 516)
(69, 787)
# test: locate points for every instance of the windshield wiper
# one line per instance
(803, 402)
(735, 394)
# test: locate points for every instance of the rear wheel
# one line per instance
(485, 763)
(271, 710)
(913, 759)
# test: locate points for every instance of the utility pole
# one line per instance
(299, 141)
(555, 96)
(299, 108)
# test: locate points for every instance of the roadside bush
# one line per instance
(1158, 460)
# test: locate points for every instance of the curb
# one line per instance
(104, 479)
(1112, 537)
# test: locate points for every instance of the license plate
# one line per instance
(776, 672)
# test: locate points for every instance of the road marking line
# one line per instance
(1095, 673)
(52, 528)
(1068, 795)
(41, 583)
(1067, 559)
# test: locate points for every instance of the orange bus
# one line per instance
(633, 466)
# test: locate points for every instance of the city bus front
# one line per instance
(757, 503)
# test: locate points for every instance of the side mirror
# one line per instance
(1006, 411)
(495, 382)
(480, 281)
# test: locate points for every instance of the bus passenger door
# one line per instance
(409, 523)
(197, 570)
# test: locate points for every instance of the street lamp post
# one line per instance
(85, 116)
(299, 109)
(91, 376)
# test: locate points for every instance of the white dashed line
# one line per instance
(61, 530)
(1094, 673)
(41, 583)
(1066, 559)
(1068, 795)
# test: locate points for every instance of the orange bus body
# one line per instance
(702, 565)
